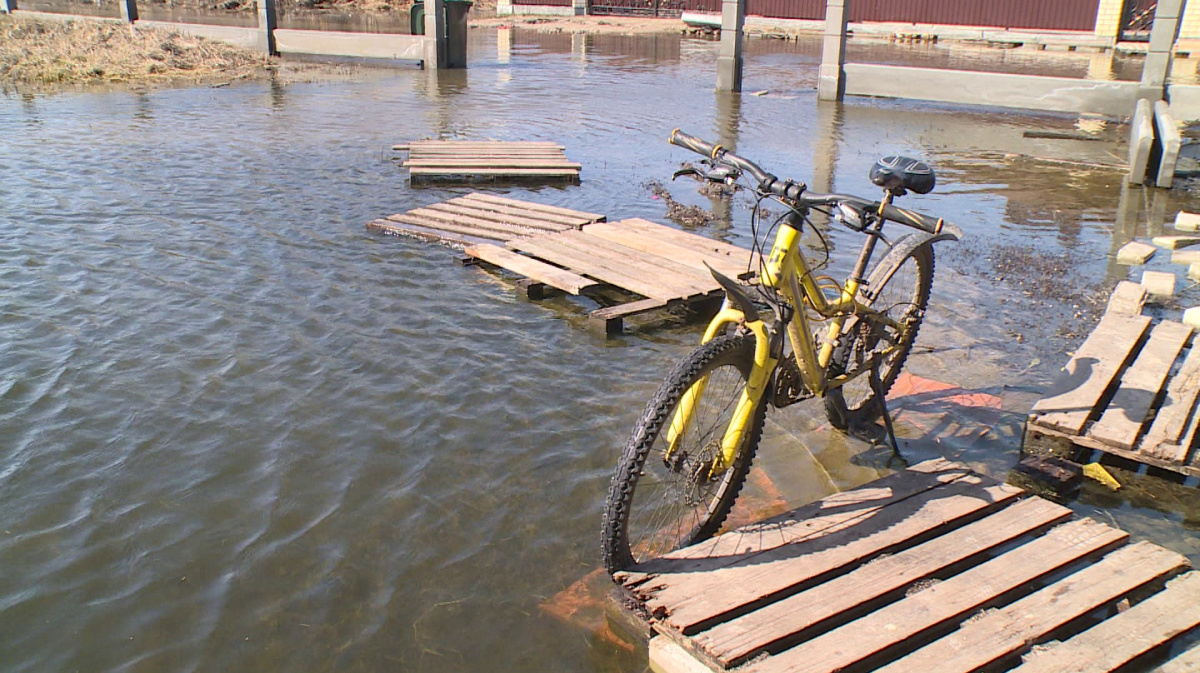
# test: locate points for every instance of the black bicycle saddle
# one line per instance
(898, 174)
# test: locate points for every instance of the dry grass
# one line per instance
(38, 52)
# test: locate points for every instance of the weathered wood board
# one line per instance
(931, 569)
(432, 159)
(1126, 393)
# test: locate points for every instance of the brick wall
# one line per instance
(1108, 18)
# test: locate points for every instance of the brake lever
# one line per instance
(720, 173)
(690, 170)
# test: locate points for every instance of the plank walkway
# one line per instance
(579, 253)
(1131, 390)
(935, 568)
(455, 159)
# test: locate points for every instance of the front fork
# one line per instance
(751, 395)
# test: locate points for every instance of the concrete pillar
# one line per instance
(8, 6)
(1141, 141)
(435, 35)
(1169, 141)
(267, 20)
(729, 61)
(1162, 40)
(831, 82)
(580, 7)
(129, 12)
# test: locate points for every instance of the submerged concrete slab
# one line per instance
(968, 87)
(1134, 253)
(1176, 242)
(1187, 221)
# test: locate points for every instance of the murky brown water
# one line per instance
(244, 434)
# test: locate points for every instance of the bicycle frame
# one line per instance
(787, 272)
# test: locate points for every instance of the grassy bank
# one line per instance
(38, 52)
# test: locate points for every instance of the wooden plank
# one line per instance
(627, 309)
(496, 163)
(810, 521)
(484, 143)
(1136, 456)
(548, 172)
(468, 235)
(436, 220)
(569, 221)
(1185, 257)
(531, 268)
(1127, 636)
(666, 656)
(699, 280)
(1159, 283)
(684, 255)
(1177, 408)
(552, 251)
(927, 613)
(1070, 400)
(393, 229)
(630, 262)
(695, 601)
(686, 239)
(539, 207)
(787, 622)
(524, 222)
(1175, 242)
(1185, 662)
(1127, 298)
(1011, 630)
(1122, 421)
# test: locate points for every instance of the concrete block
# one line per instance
(1159, 283)
(1175, 242)
(1187, 221)
(1168, 136)
(1141, 139)
(1192, 316)
(1135, 253)
(1185, 257)
(1194, 272)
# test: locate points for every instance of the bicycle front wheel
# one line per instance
(661, 498)
(901, 292)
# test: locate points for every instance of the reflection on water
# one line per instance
(244, 434)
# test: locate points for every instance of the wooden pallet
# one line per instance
(665, 266)
(482, 218)
(430, 159)
(578, 252)
(1131, 390)
(935, 568)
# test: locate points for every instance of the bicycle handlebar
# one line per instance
(797, 190)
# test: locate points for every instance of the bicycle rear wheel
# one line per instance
(901, 292)
(662, 500)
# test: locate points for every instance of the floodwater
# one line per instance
(243, 434)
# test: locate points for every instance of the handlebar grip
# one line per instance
(913, 219)
(692, 143)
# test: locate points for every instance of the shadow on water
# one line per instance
(245, 434)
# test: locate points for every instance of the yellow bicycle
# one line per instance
(689, 453)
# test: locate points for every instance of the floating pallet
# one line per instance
(665, 266)
(1131, 390)
(578, 252)
(429, 159)
(482, 218)
(935, 568)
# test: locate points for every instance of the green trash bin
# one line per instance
(416, 19)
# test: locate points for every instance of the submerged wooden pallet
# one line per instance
(1131, 390)
(578, 252)
(665, 266)
(429, 159)
(934, 568)
(482, 218)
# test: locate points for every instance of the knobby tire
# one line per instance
(659, 522)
